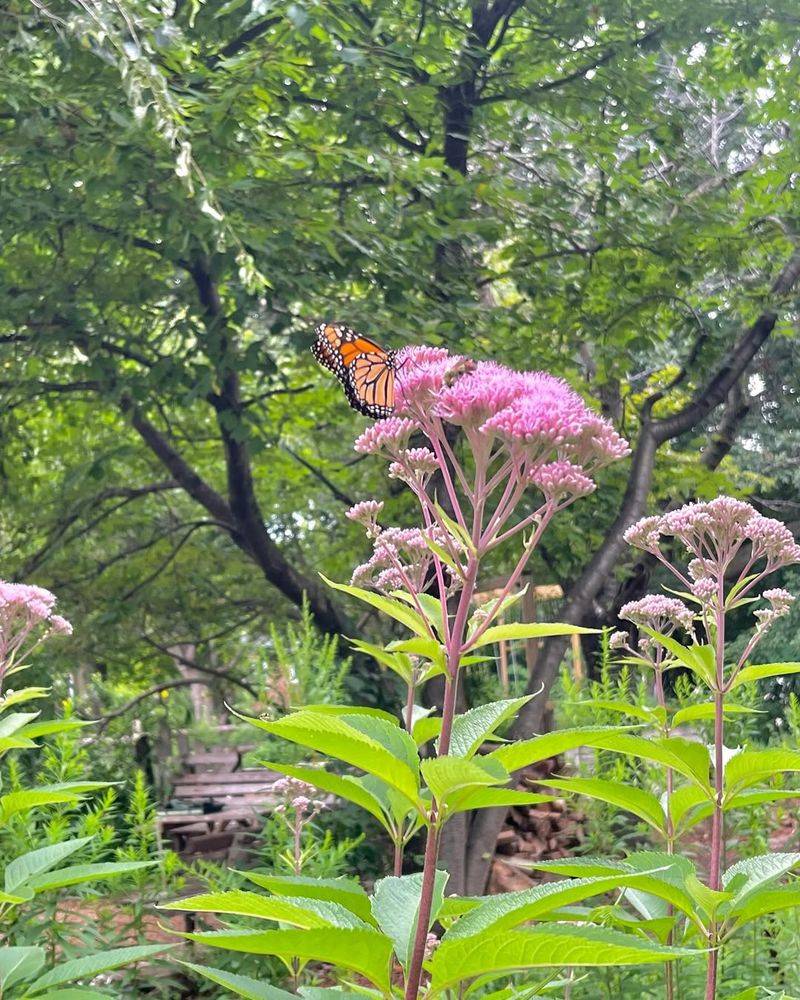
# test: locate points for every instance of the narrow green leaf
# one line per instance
(78, 874)
(526, 630)
(337, 738)
(88, 966)
(345, 891)
(40, 860)
(363, 951)
(525, 752)
(242, 986)
(346, 786)
(389, 606)
(747, 675)
(505, 952)
(473, 728)
(641, 803)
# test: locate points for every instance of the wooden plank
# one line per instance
(256, 777)
(220, 760)
(190, 790)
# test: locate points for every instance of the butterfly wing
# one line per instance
(370, 384)
(364, 369)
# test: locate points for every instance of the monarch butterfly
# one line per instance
(365, 370)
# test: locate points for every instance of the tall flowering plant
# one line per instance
(719, 556)
(492, 456)
(33, 881)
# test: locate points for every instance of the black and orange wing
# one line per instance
(370, 387)
(365, 370)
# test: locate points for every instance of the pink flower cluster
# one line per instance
(297, 795)
(26, 619)
(713, 533)
(662, 614)
(533, 420)
(401, 560)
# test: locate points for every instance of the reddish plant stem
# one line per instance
(454, 651)
(661, 698)
(717, 824)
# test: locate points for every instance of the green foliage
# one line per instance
(43, 818)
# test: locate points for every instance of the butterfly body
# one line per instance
(365, 370)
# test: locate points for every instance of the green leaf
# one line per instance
(636, 800)
(525, 752)
(10, 724)
(345, 891)
(510, 909)
(363, 951)
(395, 609)
(491, 798)
(398, 662)
(525, 630)
(40, 860)
(250, 904)
(447, 776)
(88, 966)
(375, 713)
(699, 659)
(18, 963)
(623, 707)
(242, 986)
(503, 952)
(426, 729)
(770, 899)
(751, 766)
(687, 757)
(395, 906)
(77, 874)
(337, 738)
(747, 675)
(459, 534)
(694, 713)
(50, 727)
(473, 728)
(749, 875)
(17, 802)
(346, 786)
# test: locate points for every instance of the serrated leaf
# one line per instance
(389, 606)
(525, 752)
(693, 713)
(345, 891)
(88, 966)
(344, 786)
(363, 951)
(473, 728)
(447, 777)
(636, 800)
(751, 766)
(334, 736)
(395, 906)
(79, 874)
(40, 860)
(505, 952)
(525, 630)
(305, 914)
(747, 675)
(754, 873)
(242, 986)
(508, 910)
